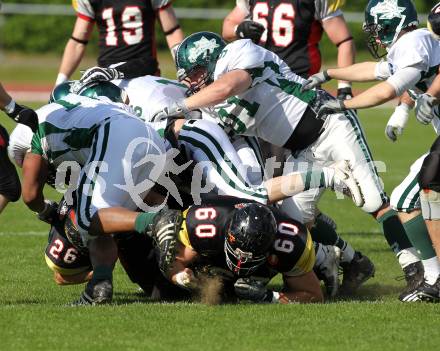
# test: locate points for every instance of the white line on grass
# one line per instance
(30, 233)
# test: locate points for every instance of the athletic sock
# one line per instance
(143, 220)
(418, 234)
(432, 270)
(323, 232)
(102, 273)
(407, 257)
(318, 178)
(394, 232)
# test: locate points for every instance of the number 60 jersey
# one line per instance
(204, 231)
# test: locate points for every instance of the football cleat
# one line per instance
(344, 182)
(96, 293)
(413, 274)
(423, 293)
(355, 273)
(328, 270)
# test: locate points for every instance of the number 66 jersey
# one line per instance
(205, 226)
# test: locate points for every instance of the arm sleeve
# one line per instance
(243, 5)
(382, 70)
(404, 79)
(36, 147)
(325, 9)
(160, 4)
(84, 9)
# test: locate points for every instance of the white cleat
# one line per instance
(328, 268)
(344, 182)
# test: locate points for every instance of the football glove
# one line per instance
(397, 122)
(25, 115)
(329, 107)
(424, 112)
(344, 93)
(176, 109)
(250, 30)
(256, 291)
(50, 212)
(96, 73)
(316, 80)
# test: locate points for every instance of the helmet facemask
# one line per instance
(240, 262)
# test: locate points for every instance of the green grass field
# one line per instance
(34, 315)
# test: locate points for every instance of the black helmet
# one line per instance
(249, 237)
(434, 20)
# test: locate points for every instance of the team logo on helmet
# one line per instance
(388, 9)
(202, 47)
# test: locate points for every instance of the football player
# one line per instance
(251, 91)
(247, 243)
(126, 36)
(293, 30)
(91, 134)
(412, 61)
(9, 181)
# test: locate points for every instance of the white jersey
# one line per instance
(272, 106)
(67, 127)
(417, 49)
(150, 93)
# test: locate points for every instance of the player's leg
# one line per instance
(10, 189)
(105, 201)
(405, 200)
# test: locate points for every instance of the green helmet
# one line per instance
(61, 91)
(384, 20)
(92, 90)
(97, 89)
(198, 51)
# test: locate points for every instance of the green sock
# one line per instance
(394, 232)
(103, 273)
(418, 234)
(313, 179)
(143, 220)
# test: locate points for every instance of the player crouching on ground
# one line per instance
(412, 61)
(245, 243)
(92, 134)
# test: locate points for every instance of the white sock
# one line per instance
(347, 254)
(432, 269)
(10, 107)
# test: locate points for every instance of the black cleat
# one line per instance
(423, 293)
(96, 293)
(328, 270)
(414, 277)
(356, 272)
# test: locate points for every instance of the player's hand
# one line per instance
(96, 73)
(424, 112)
(176, 109)
(316, 80)
(50, 212)
(26, 116)
(344, 93)
(397, 122)
(186, 279)
(250, 30)
(329, 107)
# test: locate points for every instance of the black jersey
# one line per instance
(293, 29)
(205, 226)
(126, 29)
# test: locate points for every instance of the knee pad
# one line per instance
(429, 176)
(430, 203)
(373, 203)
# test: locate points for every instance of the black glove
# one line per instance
(250, 30)
(344, 93)
(96, 73)
(26, 116)
(50, 212)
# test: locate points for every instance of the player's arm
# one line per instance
(179, 273)
(231, 22)
(171, 28)
(35, 172)
(339, 34)
(75, 48)
(304, 288)
(231, 83)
